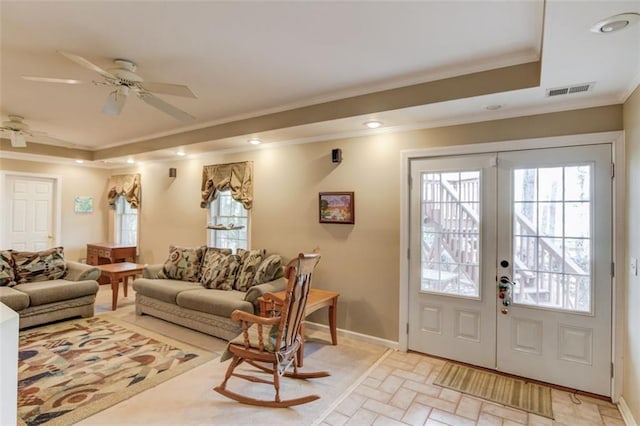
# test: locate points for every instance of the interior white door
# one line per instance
(29, 216)
(541, 219)
(452, 258)
(554, 242)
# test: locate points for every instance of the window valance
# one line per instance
(127, 185)
(236, 177)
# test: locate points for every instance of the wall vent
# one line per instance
(568, 90)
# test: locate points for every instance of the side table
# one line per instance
(317, 299)
(119, 271)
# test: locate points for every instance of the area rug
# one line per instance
(71, 370)
(504, 390)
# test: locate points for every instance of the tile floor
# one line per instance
(399, 391)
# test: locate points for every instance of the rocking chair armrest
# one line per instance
(239, 315)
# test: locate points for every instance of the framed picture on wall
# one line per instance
(336, 207)
(83, 204)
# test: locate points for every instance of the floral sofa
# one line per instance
(200, 287)
(43, 287)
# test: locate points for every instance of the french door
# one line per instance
(510, 263)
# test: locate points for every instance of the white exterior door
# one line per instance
(28, 219)
(555, 243)
(532, 220)
(452, 239)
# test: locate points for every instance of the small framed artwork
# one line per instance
(83, 205)
(336, 207)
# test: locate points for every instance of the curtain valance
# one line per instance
(236, 177)
(127, 185)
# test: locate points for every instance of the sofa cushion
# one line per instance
(43, 292)
(268, 269)
(251, 259)
(216, 302)
(214, 270)
(183, 263)
(7, 275)
(163, 289)
(39, 266)
(14, 299)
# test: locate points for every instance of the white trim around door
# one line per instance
(616, 139)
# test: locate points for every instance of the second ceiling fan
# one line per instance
(124, 80)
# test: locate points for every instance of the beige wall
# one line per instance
(77, 228)
(360, 261)
(631, 391)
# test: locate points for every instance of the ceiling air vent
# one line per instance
(568, 90)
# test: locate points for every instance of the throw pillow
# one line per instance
(268, 269)
(214, 269)
(7, 275)
(39, 266)
(251, 259)
(235, 264)
(183, 263)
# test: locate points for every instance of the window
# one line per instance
(126, 223)
(228, 213)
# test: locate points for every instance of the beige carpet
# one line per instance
(504, 390)
(189, 399)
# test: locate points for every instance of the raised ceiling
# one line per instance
(301, 70)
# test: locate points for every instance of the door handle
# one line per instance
(505, 293)
(50, 237)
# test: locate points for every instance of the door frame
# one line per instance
(616, 139)
(57, 203)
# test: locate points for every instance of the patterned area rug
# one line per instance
(504, 390)
(71, 370)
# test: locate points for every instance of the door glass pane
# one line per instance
(450, 244)
(551, 239)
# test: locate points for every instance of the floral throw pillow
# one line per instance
(268, 269)
(183, 263)
(214, 269)
(39, 266)
(251, 259)
(7, 275)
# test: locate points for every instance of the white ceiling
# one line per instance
(245, 59)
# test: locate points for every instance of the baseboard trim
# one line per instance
(356, 336)
(626, 413)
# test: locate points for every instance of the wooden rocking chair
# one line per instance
(274, 351)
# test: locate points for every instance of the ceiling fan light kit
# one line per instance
(124, 79)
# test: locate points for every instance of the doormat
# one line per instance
(504, 390)
(71, 370)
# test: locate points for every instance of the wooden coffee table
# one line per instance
(317, 299)
(119, 271)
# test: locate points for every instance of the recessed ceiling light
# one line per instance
(493, 107)
(373, 124)
(255, 141)
(181, 153)
(79, 161)
(615, 23)
(130, 161)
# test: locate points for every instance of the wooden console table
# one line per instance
(119, 271)
(101, 253)
(317, 299)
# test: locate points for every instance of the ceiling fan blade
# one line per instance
(18, 140)
(176, 113)
(85, 63)
(115, 103)
(51, 79)
(168, 89)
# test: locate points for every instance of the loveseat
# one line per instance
(200, 287)
(43, 287)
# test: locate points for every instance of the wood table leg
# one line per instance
(333, 313)
(125, 281)
(115, 283)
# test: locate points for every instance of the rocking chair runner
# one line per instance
(275, 351)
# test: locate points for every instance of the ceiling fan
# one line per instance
(18, 132)
(123, 79)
